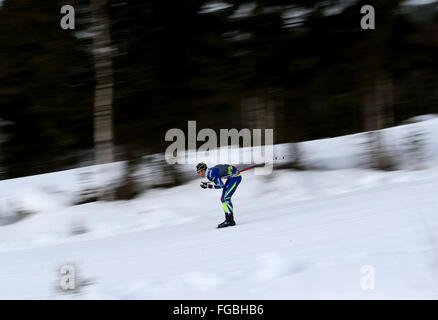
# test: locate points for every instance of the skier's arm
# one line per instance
(210, 185)
(215, 179)
(207, 185)
(217, 183)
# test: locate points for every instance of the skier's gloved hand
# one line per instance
(206, 185)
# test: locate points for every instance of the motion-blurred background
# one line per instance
(107, 92)
(131, 70)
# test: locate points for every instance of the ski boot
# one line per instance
(229, 221)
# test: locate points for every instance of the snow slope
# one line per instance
(299, 235)
(351, 151)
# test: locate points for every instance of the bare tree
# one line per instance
(103, 97)
(378, 113)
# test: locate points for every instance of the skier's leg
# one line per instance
(228, 193)
(224, 204)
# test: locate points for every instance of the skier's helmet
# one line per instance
(201, 166)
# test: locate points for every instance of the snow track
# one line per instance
(282, 247)
(299, 234)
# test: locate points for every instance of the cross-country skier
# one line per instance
(215, 175)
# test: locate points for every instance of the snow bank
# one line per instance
(299, 234)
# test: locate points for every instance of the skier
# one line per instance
(215, 175)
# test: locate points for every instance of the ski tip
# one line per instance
(226, 226)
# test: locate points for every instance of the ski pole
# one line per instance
(249, 168)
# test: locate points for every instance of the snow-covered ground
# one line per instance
(299, 234)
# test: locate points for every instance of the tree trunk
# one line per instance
(103, 97)
(378, 113)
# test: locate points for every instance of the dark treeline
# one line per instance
(304, 68)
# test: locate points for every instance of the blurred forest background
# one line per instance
(303, 67)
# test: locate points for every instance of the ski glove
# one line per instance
(206, 185)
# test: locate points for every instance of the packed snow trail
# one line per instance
(299, 235)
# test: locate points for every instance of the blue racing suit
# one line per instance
(215, 175)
